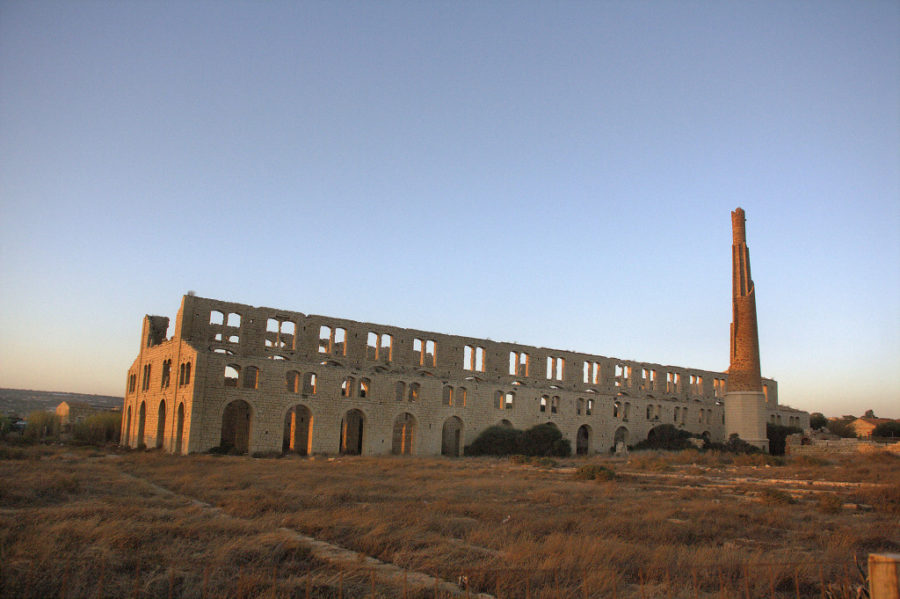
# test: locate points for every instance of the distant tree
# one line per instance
(817, 421)
(870, 414)
(777, 436)
(841, 428)
(887, 429)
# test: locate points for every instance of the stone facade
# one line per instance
(266, 379)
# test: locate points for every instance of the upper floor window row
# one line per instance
(473, 358)
(518, 363)
(332, 340)
(425, 352)
(555, 368)
(233, 319)
(280, 333)
(380, 346)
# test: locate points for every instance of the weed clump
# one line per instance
(594, 472)
(830, 503)
(776, 497)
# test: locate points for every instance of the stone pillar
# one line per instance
(884, 572)
(745, 401)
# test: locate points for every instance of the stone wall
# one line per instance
(339, 370)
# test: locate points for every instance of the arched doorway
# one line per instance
(127, 436)
(583, 440)
(352, 429)
(161, 424)
(404, 434)
(142, 417)
(621, 436)
(451, 437)
(236, 426)
(298, 423)
(179, 428)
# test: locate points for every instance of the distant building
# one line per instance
(70, 412)
(864, 426)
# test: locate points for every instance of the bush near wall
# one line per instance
(777, 435)
(98, 429)
(734, 445)
(666, 436)
(540, 440)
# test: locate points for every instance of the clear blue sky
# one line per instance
(552, 173)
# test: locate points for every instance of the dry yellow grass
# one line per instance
(679, 525)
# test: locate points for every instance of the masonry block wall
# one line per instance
(266, 379)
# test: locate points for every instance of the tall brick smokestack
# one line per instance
(744, 371)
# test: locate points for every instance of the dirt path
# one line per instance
(345, 559)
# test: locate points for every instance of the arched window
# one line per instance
(461, 396)
(364, 387)
(400, 389)
(545, 399)
(166, 374)
(232, 374)
(447, 396)
(347, 387)
(414, 391)
(554, 404)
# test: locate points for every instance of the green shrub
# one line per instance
(817, 421)
(540, 440)
(496, 440)
(777, 436)
(5, 426)
(98, 429)
(666, 436)
(42, 425)
(841, 428)
(545, 440)
(734, 445)
(887, 429)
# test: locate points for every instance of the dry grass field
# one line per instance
(85, 522)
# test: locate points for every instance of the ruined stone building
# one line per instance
(267, 379)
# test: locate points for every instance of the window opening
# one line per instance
(447, 396)
(555, 367)
(518, 363)
(251, 377)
